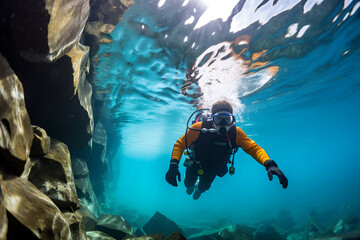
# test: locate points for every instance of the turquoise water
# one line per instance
(299, 101)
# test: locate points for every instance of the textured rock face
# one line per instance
(88, 219)
(97, 162)
(161, 224)
(104, 16)
(59, 96)
(97, 235)
(26, 203)
(46, 30)
(41, 142)
(15, 129)
(111, 224)
(52, 174)
(3, 222)
(83, 186)
(76, 227)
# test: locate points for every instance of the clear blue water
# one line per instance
(301, 105)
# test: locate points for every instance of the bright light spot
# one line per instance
(346, 16)
(193, 45)
(347, 3)
(336, 17)
(166, 36)
(310, 4)
(190, 20)
(292, 29)
(248, 15)
(302, 31)
(186, 39)
(194, 10)
(142, 26)
(161, 3)
(217, 9)
(346, 52)
(357, 5)
(185, 3)
(213, 33)
(242, 43)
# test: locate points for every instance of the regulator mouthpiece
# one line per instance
(223, 131)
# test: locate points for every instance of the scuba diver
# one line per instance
(210, 142)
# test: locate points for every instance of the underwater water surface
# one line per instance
(291, 70)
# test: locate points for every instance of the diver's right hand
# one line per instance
(173, 172)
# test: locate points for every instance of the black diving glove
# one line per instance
(173, 172)
(272, 168)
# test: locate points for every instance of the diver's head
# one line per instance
(223, 118)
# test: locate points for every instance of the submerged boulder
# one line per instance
(114, 225)
(161, 224)
(33, 210)
(52, 174)
(16, 134)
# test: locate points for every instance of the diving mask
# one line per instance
(223, 122)
(223, 119)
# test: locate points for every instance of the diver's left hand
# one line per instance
(272, 169)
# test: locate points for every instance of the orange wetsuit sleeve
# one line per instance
(250, 147)
(191, 137)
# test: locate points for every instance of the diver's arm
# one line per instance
(250, 147)
(191, 137)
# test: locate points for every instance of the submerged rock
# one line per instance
(104, 15)
(176, 236)
(345, 225)
(16, 134)
(236, 232)
(97, 161)
(88, 218)
(33, 210)
(269, 234)
(52, 174)
(46, 30)
(97, 235)
(3, 222)
(158, 236)
(84, 188)
(75, 224)
(207, 235)
(41, 142)
(161, 224)
(58, 96)
(114, 225)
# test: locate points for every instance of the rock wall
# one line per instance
(47, 119)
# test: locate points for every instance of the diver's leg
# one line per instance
(191, 177)
(206, 179)
(204, 183)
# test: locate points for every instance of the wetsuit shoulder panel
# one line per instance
(191, 137)
(250, 147)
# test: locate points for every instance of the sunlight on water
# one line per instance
(221, 73)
